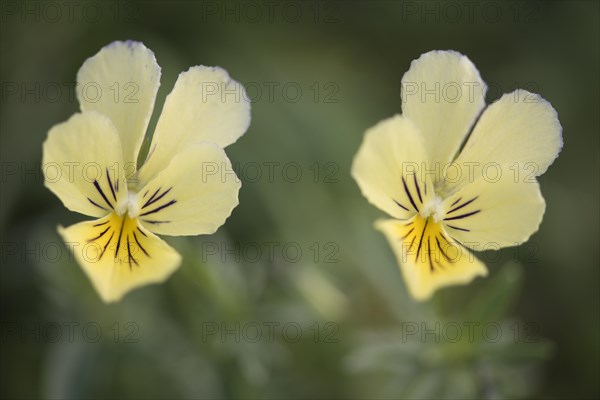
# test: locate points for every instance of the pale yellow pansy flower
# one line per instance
(454, 174)
(186, 185)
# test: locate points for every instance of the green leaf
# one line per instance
(496, 296)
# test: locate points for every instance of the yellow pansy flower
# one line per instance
(186, 185)
(444, 198)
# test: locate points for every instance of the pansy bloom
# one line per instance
(186, 185)
(455, 174)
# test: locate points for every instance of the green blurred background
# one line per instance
(334, 320)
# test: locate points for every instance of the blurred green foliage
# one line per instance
(358, 325)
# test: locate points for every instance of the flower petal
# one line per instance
(121, 82)
(205, 105)
(429, 259)
(193, 195)
(82, 164)
(118, 255)
(491, 213)
(520, 128)
(388, 168)
(442, 93)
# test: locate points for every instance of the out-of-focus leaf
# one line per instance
(514, 353)
(496, 296)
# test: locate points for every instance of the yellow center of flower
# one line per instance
(119, 237)
(119, 233)
(426, 243)
(146, 208)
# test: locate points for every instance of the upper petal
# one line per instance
(428, 257)
(118, 255)
(491, 213)
(82, 164)
(442, 93)
(121, 82)
(193, 195)
(389, 166)
(521, 130)
(205, 105)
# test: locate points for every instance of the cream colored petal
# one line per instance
(389, 168)
(82, 164)
(118, 255)
(121, 82)
(429, 258)
(442, 93)
(193, 195)
(521, 128)
(494, 211)
(205, 105)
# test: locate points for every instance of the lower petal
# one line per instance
(429, 258)
(118, 255)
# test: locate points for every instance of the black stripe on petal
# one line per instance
(96, 204)
(421, 240)
(152, 201)
(462, 205)
(159, 208)
(445, 238)
(407, 233)
(100, 235)
(457, 228)
(106, 245)
(463, 215)
(119, 239)
(429, 254)
(140, 245)
(439, 245)
(97, 186)
(409, 195)
(151, 197)
(130, 257)
(110, 185)
(401, 206)
(418, 189)
(411, 243)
